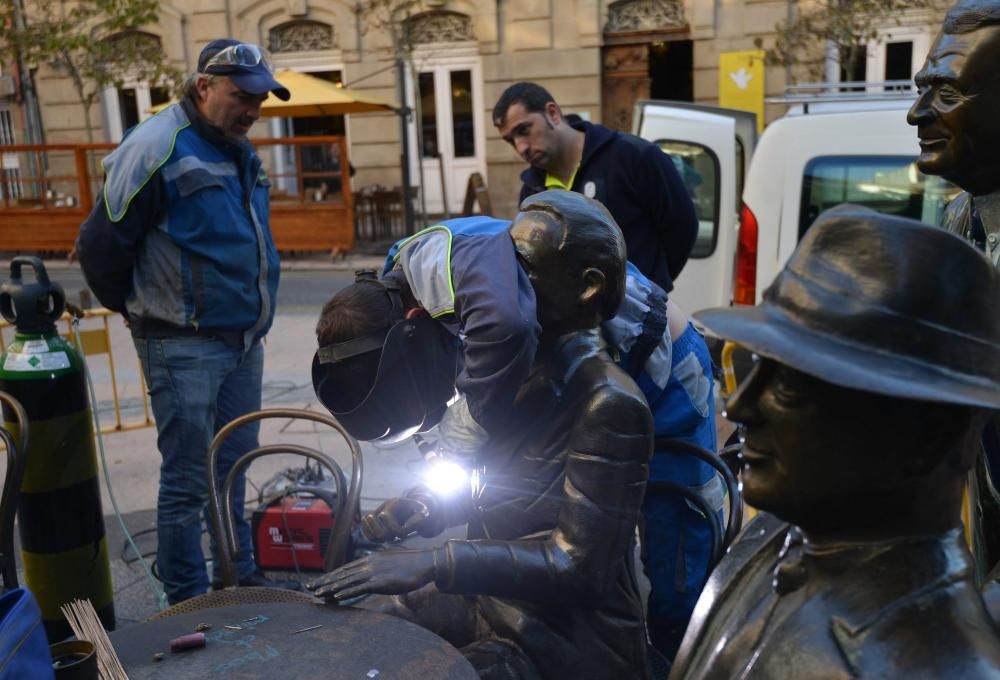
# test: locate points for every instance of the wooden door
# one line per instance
(624, 81)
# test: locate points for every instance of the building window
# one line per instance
(854, 68)
(10, 186)
(301, 36)
(898, 54)
(898, 62)
(127, 106)
(6, 128)
(627, 16)
(428, 115)
(438, 27)
(463, 133)
(130, 110)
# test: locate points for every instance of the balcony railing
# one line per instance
(47, 190)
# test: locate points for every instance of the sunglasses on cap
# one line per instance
(242, 55)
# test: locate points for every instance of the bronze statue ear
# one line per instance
(594, 286)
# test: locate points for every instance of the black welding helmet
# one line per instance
(415, 379)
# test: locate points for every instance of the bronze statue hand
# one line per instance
(395, 518)
(389, 573)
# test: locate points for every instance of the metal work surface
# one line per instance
(251, 641)
(231, 597)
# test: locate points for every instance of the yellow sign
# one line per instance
(741, 82)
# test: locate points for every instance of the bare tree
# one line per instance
(842, 27)
(95, 43)
(392, 18)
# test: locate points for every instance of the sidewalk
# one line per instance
(133, 458)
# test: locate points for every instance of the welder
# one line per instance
(475, 279)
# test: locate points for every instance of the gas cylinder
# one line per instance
(64, 550)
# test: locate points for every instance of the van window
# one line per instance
(698, 166)
(887, 184)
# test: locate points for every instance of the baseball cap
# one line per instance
(247, 65)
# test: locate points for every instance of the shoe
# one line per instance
(258, 579)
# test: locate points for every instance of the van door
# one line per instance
(712, 161)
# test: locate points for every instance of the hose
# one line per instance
(158, 594)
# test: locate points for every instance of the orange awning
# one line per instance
(312, 96)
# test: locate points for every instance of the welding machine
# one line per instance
(291, 533)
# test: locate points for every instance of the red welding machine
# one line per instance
(292, 530)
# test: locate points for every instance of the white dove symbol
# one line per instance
(741, 78)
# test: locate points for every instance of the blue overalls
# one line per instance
(676, 379)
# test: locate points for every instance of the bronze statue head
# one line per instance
(574, 254)
(880, 347)
(956, 110)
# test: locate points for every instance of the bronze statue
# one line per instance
(544, 585)
(879, 348)
(956, 118)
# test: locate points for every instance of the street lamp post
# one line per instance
(404, 132)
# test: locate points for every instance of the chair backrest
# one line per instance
(11, 487)
(220, 504)
(24, 650)
(735, 520)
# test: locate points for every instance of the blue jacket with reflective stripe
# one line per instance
(181, 234)
(464, 272)
(467, 244)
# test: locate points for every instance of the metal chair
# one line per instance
(735, 519)
(722, 536)
(220, 510)
(11, 489)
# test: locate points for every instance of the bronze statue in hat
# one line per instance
(879, 348)
(956, 119)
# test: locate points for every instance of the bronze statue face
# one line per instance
(817, 455)
(956, 110)
(553, 276)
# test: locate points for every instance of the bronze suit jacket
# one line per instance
(775, 608)
(963, 218)
(551, 540)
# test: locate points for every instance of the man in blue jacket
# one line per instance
(633, 178)
(471, 277)
(180, 245)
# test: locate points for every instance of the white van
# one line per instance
(834, 147)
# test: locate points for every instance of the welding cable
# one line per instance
(123, 553)
(158, 594)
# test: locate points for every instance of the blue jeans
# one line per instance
(197, 385)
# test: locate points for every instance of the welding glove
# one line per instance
(459, 435)
(400, 517)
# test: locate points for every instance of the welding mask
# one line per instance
(415, 379)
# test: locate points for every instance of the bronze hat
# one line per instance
(880, 304)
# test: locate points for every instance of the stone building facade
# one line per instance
(597, 57)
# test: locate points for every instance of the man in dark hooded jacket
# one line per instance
(633, 178)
